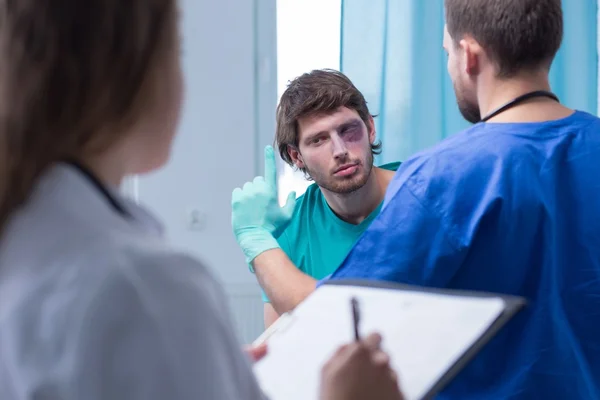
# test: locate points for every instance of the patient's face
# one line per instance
(464, 88)
(335, 149)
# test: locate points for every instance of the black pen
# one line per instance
(355, 317)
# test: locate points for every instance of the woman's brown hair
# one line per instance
(74, 76)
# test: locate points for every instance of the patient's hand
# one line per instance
(256, 216)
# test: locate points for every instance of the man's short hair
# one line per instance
(516, 34)
(316, 92)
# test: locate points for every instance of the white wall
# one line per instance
(229, 63)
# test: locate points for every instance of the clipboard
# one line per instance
(513, 305)
(282, 334)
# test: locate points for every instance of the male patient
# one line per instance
(324, 128)
(510, 205)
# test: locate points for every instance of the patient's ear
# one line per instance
(371, 130)
(295, 156)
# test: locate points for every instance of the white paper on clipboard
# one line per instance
(424, 333)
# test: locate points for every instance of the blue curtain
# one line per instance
(392, 51)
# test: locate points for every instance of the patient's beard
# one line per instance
(344, 185)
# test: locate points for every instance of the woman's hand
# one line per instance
(360, 371)
(256, 352)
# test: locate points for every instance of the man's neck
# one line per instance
(495, 93)
(355, 207)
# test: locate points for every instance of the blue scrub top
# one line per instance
(507, 208)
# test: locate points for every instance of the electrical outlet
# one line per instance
(196, 220)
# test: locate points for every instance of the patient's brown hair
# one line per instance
(316, 92)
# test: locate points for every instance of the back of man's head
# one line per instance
(517, 35)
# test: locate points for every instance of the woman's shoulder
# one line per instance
(158, 311)
(154, 268)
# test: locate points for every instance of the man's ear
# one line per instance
(295, 156)
(371, 130)
(471, 53)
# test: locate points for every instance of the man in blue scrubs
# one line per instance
(510, 205)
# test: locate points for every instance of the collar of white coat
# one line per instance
(65, 184)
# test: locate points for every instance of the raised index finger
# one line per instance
(270, 167)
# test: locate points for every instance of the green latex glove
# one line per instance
(256, 216)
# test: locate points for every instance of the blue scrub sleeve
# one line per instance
(407, 243)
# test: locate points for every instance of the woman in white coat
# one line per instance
(94, 304)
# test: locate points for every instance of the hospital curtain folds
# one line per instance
(392, 51)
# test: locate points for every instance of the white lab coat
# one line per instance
(94, 305)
